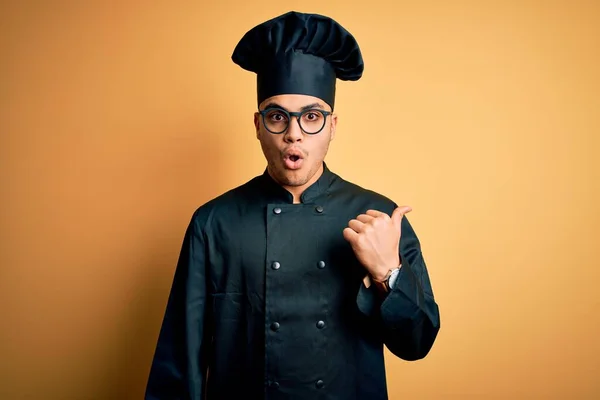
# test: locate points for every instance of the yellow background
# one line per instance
(118, 119)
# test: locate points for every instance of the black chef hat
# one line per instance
(299, 53)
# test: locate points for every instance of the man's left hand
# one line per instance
(375, 237)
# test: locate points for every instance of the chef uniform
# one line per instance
(268, 300)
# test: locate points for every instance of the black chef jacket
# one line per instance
(268, 300)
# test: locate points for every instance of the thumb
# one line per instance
(398, 214)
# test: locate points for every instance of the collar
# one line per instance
(320, 187)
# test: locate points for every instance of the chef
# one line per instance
(290, 285)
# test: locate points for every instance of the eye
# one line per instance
(276, 116)
(312, 116)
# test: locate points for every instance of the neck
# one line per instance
(297, 191)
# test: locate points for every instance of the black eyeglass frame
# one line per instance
(298, 115)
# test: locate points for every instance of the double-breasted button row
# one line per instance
(276, 265)
(275, 325)
(319, 209)
(318, 384)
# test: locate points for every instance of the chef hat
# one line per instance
(299, 53)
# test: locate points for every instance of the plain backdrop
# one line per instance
(119, 119)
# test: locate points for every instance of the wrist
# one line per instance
(383, 273)
(385, 283)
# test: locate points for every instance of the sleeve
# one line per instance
(408, 315)
(179, 366)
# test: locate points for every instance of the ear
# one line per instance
(257, 124)
(334, 120)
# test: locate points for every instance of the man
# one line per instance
(289, 285)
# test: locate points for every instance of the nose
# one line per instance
(293, 133)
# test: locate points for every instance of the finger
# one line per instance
(365, 218)
(376, 213)
(356, 225)
(398, 214)
(350, 235)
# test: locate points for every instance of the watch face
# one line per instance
(392, 278)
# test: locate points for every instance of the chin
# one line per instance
(294, 178)
(288, 177)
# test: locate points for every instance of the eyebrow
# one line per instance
(306, 107)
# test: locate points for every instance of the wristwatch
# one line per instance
(387, 283)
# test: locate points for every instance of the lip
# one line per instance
(288, 159)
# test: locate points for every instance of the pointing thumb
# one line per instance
(398, 214)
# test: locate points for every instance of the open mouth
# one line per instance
(293, 159)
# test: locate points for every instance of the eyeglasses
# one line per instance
(277, 120)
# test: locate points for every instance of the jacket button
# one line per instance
(319, 384)
(321, 264)
(321, 324)
(275, 265)
(319, 209)
(275, 326)
(277, 210)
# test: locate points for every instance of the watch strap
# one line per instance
(386, 284)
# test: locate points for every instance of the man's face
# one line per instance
(294, 156)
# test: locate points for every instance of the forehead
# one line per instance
(294, 102)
